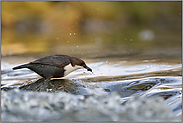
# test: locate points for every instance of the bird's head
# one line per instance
(79, 62)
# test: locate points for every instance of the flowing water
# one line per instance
(135, 56)
(129, 78)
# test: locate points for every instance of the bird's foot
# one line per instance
(46, 85)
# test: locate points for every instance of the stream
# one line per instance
(109, 91)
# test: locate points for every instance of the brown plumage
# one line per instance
(55, 66)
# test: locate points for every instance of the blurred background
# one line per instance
(92, 29)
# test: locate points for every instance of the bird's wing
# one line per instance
(56, 60)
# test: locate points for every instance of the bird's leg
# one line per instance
(50, 83)
(46, 81)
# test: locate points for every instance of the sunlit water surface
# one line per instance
(146, 78)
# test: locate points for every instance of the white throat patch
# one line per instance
(68, 68)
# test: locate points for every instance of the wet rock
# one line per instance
(19, 105)
(54, 85)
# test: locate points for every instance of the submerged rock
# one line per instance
(18, 105)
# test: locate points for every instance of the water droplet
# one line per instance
(67, 5)
(76, 23)
(131, 39)
(10, 53)
(67, 41)
(70, 34)
(97, 8)
(74, 33)
(91, 39)
(77, 46)
(89, 14)
(72, 50)
(98, 13)
(125, 39)
(62, 25)
(4, 54)
(73, 25)
(101, 23)
(81, 53)
(57, 38)
(92, 11)
(83, 36)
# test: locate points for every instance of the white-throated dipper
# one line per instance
(55, 66)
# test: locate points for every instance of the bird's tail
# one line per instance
(20, 67)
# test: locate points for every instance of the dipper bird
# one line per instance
(55, 66)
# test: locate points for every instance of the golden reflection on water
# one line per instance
(69, 27)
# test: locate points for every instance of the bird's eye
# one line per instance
(82, 64)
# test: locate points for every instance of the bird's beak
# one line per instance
(88, 69)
